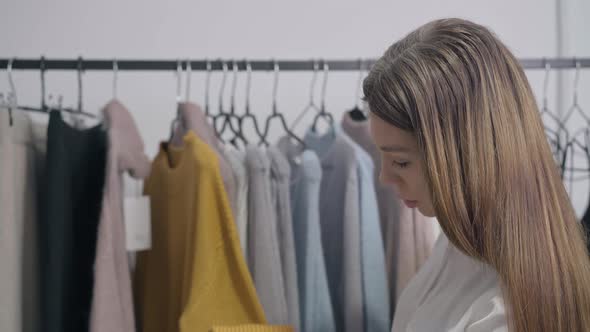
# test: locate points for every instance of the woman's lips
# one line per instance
(410, 204)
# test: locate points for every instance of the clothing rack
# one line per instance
(256, 65)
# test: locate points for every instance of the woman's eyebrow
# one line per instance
(393, 148)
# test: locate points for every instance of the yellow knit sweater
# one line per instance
(195, 276)
(253, 328)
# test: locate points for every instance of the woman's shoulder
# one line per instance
(452, 291)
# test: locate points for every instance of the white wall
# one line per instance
(254, 29)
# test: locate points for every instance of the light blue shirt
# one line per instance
(314, 296)
(349, 199)
(375, 286)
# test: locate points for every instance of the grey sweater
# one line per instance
(280, 172)
(264, 255)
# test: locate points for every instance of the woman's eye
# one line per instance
(401, 164)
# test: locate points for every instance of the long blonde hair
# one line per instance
(496, 189)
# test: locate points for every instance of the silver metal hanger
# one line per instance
(575, 106)
(208, 114)
(11, 99)
(323, 114)
(177, 118)
(311, 105)
(247, 114)
(276, 114)
(115, 77)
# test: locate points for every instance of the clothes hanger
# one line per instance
(276, 114)
(105, 119)
(78, 122)
(575, 105)
(555, 138)
(11, 97)
(221, 113)
(11, 102)
(177, 118)
(42, 69)
(207, 88)
(583, 132)
(247, 114)
(238, 134)
(311, 105)
(115, 78)
(357, 113)
(323, 114)
(224, 116)
(187, 86)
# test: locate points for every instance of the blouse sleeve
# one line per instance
(487, 314)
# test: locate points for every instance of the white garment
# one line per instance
(19, 165)
(452, 292)
(236, 160)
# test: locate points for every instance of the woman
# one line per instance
(461, 139)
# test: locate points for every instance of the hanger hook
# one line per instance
(178, 81)
(546, 81)
(316, 67)
(359, 83)
(248, 85)
(80, 91)
(115, 78)
(189, 74)
(233, 87)
(42, 69)
(207, 85)
(11, 81)
(576, 80)
(222, 88)
(275, 86)
(325, 85)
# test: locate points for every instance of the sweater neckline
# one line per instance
(181, 154)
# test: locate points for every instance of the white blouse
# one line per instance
(451, 292)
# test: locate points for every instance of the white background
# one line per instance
(262, 30)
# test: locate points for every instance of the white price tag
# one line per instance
(138, 231)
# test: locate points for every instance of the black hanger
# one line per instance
(356, 113)
(277, 115)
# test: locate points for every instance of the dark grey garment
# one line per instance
(280, 176)
(340, 223)
(264, 255)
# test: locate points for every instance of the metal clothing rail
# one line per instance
(256, 65)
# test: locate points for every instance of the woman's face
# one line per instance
(401, 164)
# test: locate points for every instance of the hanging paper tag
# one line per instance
(138, 232)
